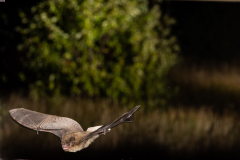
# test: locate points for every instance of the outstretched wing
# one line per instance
(127, 117)
(44, 122)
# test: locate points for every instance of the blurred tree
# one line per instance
(117, 49)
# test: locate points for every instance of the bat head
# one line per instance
(67, 144)
(74, 142)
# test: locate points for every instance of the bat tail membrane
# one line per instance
(125, 118)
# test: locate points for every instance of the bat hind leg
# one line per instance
(38, 129)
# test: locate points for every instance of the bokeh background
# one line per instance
(92, 61)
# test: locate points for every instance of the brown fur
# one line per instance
(78, 143)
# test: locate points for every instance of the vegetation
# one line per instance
(117, 49)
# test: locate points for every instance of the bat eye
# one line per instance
(71, 139)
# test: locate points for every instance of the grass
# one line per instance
(216, 86)
(222, 76)
(202, 117)
(175, 128)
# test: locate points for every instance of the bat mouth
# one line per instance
(65, 147)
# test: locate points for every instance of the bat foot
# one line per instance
(38, 129)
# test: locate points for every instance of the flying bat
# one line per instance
(72, 136)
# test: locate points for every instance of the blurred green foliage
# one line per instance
(118, 49)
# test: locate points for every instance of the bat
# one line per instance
(72, 136)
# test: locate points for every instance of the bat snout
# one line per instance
(66, 146)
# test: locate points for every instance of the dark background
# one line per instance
(207, 31)
(208, 34)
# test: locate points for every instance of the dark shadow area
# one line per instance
(126, 151)
(207, 31)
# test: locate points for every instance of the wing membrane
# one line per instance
(44, 122)
(125, 118)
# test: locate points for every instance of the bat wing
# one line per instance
(44, 122)
(127, 117)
